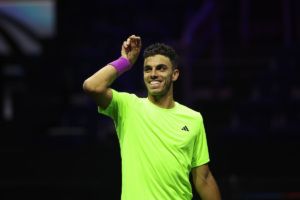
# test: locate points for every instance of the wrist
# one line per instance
(122, 65)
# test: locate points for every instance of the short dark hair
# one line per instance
(162, 49)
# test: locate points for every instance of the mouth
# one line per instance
(154, 84)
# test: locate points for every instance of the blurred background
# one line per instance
(239, 68)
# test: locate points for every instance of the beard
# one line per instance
(161, 91)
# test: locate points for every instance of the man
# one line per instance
(161, 141)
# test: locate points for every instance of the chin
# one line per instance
(156, 92)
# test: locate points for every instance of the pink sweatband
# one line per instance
(121, 64)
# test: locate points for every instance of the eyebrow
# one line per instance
(159, 65)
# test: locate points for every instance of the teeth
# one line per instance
(154, 82)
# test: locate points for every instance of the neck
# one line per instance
(163, 101)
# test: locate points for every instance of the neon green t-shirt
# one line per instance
(159, 147)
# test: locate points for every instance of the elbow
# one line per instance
(86, 86)
(90, 88)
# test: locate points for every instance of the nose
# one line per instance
(153, 73)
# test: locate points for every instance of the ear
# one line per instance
(175, 75)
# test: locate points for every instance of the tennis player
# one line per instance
(162, 141)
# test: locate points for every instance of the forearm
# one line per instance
(208, 188)
(97, 85)
(101, 80)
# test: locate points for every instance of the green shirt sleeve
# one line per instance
(113, 108)
(117, 108)
(200, 154)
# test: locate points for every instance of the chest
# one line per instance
(173, 130)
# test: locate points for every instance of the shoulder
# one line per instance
(189, 111)
(124, 96)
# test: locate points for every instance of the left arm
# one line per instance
(205, 183)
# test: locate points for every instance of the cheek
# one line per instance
(145, 79)
(169, 79)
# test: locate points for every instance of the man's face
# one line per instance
(159, 75)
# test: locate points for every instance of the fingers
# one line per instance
(131, 48)
(135, 41)
(126, 46)
(132, 42)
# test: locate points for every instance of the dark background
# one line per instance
(239, 68)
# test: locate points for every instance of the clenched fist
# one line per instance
(131, 48)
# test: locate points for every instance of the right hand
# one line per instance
(131, 48)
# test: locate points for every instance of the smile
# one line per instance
(154, 83)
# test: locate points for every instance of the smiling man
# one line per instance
(161, 140)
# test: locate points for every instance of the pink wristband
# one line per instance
(121, 65)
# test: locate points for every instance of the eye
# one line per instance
(147, 69)
(161, 67)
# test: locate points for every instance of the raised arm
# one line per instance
(205, 183)
(98, 85)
